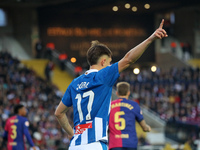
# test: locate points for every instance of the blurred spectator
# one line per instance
(39, 49)
(78, 70)
(62, 58)
(21, 85)
(49, 71)
(173, 47)
(190, 144)
(168, 147)
(187, 51)
(49, 48)
(142, 141)
(171, 94)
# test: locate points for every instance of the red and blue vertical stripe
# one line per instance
(15, 129)
(122, 123)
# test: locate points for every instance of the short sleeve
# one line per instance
(138, 113)
(109, 75)
(26, 123)
(67, 101)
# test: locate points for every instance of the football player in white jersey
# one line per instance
(90, 94)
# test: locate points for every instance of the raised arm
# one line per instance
(60, 114)
(137, 51)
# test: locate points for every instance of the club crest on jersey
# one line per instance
(27, 123)
(82, 85)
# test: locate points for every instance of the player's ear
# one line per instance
(117, 93)
(128, 93)
(103, 60)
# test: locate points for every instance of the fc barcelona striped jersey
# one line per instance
(122, 123)
(15, 129)
(90, 95)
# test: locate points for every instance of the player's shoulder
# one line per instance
(11, 118)
(77, 78)
(113, 66)
(24, 121)
(81, 78)
(115, 101)
(81, 81)
(21, 118)
(74, 81)
(133, 103)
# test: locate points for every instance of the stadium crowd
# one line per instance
(19, 84)
(172, 94)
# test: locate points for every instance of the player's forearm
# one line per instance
(64, 123)
(145, 127)
(137, 51)
(28, 137)
(134, 54)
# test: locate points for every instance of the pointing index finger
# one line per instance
(161, 24)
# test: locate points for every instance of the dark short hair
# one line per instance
(97, 50)
(123, 88)
(17, 107)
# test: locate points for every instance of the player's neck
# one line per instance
(123, 97)
(20, 114)
(96, 67)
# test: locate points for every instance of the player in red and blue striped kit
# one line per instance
(16, 128)
(123, 114)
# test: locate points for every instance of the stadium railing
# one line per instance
(153, 118)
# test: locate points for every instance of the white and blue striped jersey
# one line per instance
(90, 95)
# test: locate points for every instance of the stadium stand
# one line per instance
(38, 65)
(174, 95)
(21, 85)
(171, 94)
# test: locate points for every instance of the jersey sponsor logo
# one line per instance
(123, 136)
(82, 127)
(82, 85)
(13, 143)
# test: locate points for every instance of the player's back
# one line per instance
(122, 123)
(90, 95)
(15, 128)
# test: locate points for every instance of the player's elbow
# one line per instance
(58, 114)
(124, 63)
(127, 59)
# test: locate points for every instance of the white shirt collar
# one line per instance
(91, 70)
